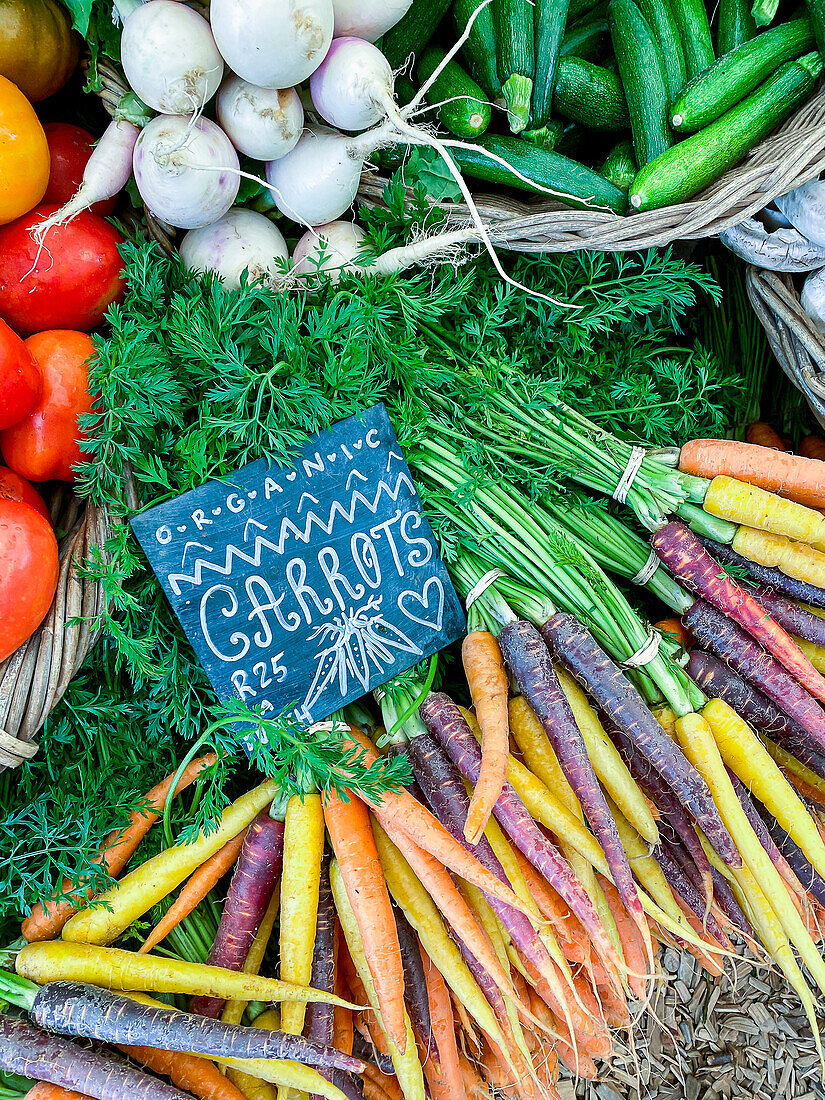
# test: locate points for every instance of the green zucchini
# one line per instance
(414, 31)
(736, 25)
(620, 165)
(586, 38)
(578, 8)
(480, 48)
(590, 94)
(545, 137)
(571, 182)
(515, 54)
(680, 172)
(550, 18)
(694, 31)
(464, 109)
(735, 75)
(661, 20)
(816, 13)
(643, 77)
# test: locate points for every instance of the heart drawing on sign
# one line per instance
(429, 615)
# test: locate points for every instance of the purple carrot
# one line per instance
(808, 877)
(87, 1012)
(688, 560)
(442, 784)
(673, 816)
(726, 901)
(737, 648)
(796, 620)
(446, 720)
(679, 882)
(768, 576)
(32, 1053)
(677, 851)
(626, 709)
(250, 892)
(365, 1049)
(415, 984)
(718, 681)
(401, 748)
(528, 659)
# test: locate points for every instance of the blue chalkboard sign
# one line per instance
(302, 589)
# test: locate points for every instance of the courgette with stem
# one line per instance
(590, 94)
(763, 11)
(642, 72)
(570, 182)
(464, 110)
(515, 54)
(661, 20)
(682, 171)
(480, 48)
(694, 31)
(736, 25)
(735, 75)
(414, 30)
(550, 19)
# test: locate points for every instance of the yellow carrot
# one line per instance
(815, 653)
(751, 506)
(790, 764)
(610, 769)
(255, 1088)
(233, 1010)
(300, 883)
(539, 755)
(794, 559)
(407, 1065)
(696, 738)
(150, 883)
(747, 757)
(666, 719)
(113, 968)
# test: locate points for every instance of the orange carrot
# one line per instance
(383, 1083)
(633, 947)
(800, 479)
(444, 1079)
(763, 435)
(489, 688)
(44, 1091)
(806, 789)
(674, 630)
(813, 446)
(428, 833)
(46, 922)
(195, 890)
(581, 1064)
(342, 1026)
(350, 831)
(197, 1075)
(473, 1085)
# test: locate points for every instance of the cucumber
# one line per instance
(480, 48)
(550, 18)
(661, 20)
(680, 172)
(570, 181)
(414, 31)
(735, 75)
(694, 32)
(643, 77)
(590, 94)
(515, 54)
(816, 13)
(464, 111)
(620, 165)
(578, 8)
(736, 25)
(587, 37)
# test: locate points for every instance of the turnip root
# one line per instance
(331, 249)
(186, 170)
(272, 43)
(170, 58)
(368, 19)
(263, 123)
(239, 241)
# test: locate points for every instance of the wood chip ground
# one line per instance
(741, 1037)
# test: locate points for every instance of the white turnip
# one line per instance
(332, 249)
(368, 19)
(351, 85)
(263, 123)
(272, 43)
(239, 241)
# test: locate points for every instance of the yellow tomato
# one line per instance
(24, 154)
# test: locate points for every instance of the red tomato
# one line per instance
(28, 573)
(70, 284)
(19, 378)
(15, 487)
(70, 148)
(44, 445)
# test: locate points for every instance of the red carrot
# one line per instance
(790, 616)
(766, 575)
(737, 648)
(253, 880)
(623, 705)
(688, 560)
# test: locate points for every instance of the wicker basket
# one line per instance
(798, 346)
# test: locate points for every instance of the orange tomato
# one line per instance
(24, 154)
